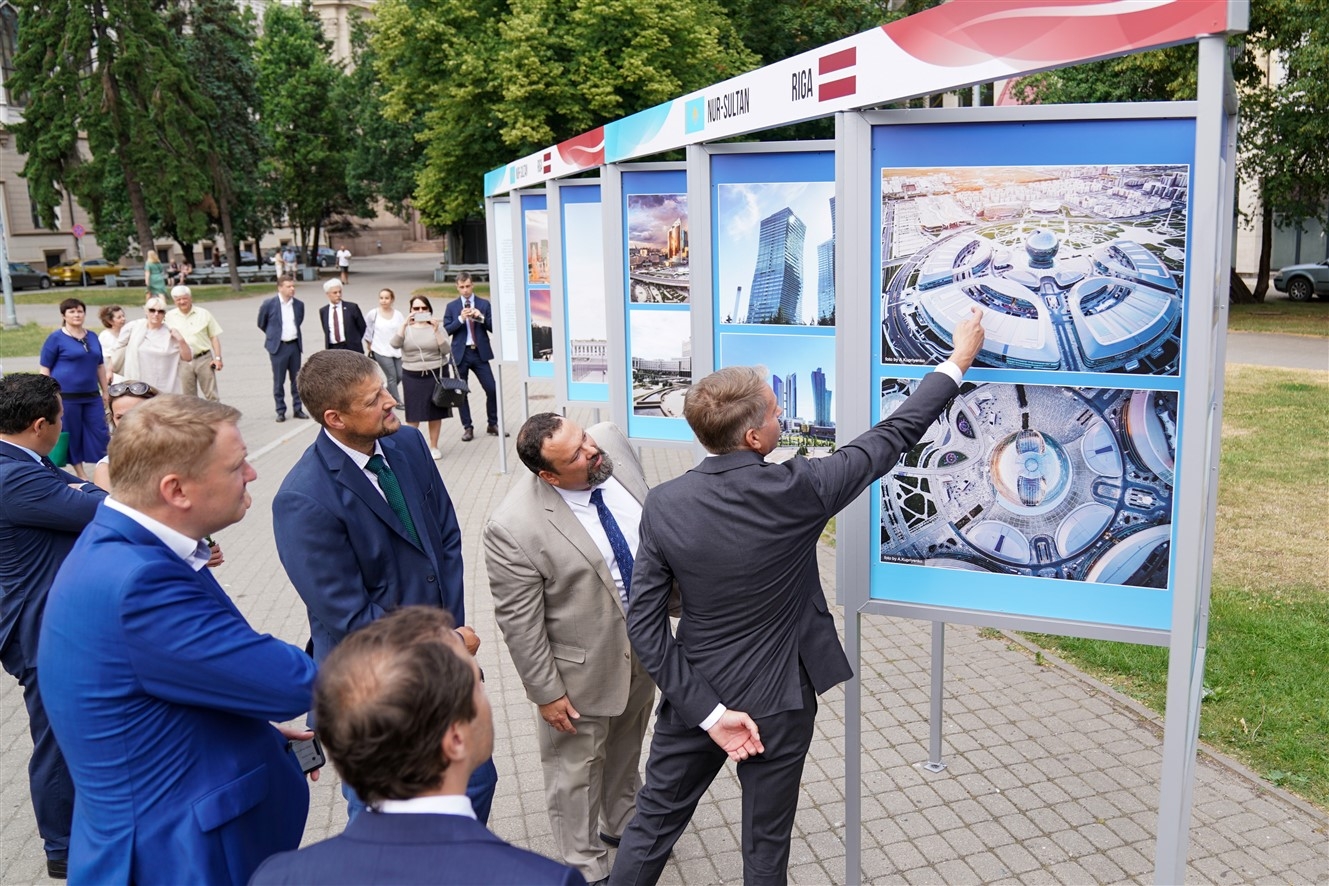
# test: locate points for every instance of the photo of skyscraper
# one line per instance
(801, 368)
(775, 253)
(537, 245)
(658, 249)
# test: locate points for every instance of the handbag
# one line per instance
(449, 392)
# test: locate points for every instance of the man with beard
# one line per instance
(559, 551)
(364, 524)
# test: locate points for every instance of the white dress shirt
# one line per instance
(361, 460)
(289, 331)
(195, 553)
(627, 514)
(438, 804)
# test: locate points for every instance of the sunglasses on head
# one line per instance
(132, 388)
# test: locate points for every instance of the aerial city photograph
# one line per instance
(1076, 268)
(658, 248)
(1047, 481)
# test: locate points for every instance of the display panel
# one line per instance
(657, 301)
(585, 339)
(773, 248)
(501, 282)
(1049, 480)
(539, 321)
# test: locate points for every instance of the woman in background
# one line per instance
(113, 320)
(425, 352)
(153, 351)
(383, 325)
(73, 357)
(154, 274)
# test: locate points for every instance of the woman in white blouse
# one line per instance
(149, 350)
(382, 325)
(113, 319)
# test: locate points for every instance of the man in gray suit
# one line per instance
(559, 550)
(755, 644)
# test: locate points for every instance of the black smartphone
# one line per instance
(309, 752)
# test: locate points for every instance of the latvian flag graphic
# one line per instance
(835, 74)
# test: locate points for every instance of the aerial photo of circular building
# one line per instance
(1074, 268)
(1041, 480)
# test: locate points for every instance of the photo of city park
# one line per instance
(801, 369)
(1037, 480)
(657, 227)
(584, 296)
(537, 245)
(660, 346)
(1076, 268)
(775, 253)
(542, 325)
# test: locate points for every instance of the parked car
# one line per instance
(25, 276)
(96, 270)
(246, 258)
(1300, 282)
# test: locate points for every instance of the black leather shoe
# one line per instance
(610, 841)
(467, 435)
(492, 431)
(281, 416)
(57, 868)
(300, 413)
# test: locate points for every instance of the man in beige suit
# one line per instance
(559, 551)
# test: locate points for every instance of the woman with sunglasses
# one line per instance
(126, 396)
(152, 351)
(73, 357)
(426, 353)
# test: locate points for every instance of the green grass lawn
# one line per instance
(1267, 666)
(441, 293)
(26, 341)
(130, 296)
(1279, 314)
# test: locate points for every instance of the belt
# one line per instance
(203, 353)
(470, 347)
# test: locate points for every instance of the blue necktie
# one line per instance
(387, 481)
(617, 543)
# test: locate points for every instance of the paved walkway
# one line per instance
(1051, 777)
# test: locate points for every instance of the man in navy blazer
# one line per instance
(755, 645)
(469, 320)
(159, 691)
(404, 717)
(363, 522)
(343, 324)
(280, 317)
(42, 511)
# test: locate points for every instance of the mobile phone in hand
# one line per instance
(309, 752)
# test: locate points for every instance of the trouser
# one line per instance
(85, 422)
(391, 367)
(49, 784)
(198, 378)
(683, 763)
(285, 363)
(470, 360)
(480, 791)
(591, 778)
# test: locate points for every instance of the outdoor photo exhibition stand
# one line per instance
(577, 302)
(1096, 242)
(503, 302)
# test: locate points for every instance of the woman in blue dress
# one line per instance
(73, 357)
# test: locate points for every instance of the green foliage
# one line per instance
(300, 119)
(384, 155)
(1161, 75)
(488, 81)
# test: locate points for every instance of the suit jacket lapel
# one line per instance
(565, 523)
(411, 490)
(345, 472)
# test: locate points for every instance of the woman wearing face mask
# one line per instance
(73, 356)
(425, 355)
(152, 351)
(382, 325)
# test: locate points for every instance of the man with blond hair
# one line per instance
(159, 691)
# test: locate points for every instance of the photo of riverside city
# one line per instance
(1076, 268)
(661, 350)
(658, 249)
(1037, 480)
(775, 253)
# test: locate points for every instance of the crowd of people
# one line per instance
(155, 758)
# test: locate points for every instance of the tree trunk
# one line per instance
(115, 111)
(1238, 292)
(1266, 251)
(230, 239)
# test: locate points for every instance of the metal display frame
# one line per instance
(559, 295)
(501, 299)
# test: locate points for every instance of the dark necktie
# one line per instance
(387, 481)
(617, 543)
(470, 324)
(336, 325)
(50, 465)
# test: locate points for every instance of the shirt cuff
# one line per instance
(955, 373)
(713, 718)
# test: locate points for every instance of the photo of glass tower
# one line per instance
(777, 281)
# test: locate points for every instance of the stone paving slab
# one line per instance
(1051, 777)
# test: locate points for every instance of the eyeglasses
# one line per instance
(132, 388)
(156, 310)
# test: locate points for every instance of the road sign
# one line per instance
(79, 231)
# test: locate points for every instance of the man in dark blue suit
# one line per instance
(159, 692)
(343, 324)
(364, 524)
(469, 320)
(42, 511)
(403, 715)
(280, 317)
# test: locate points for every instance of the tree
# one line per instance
(551, 69)
(300, 121)
(220, 51)
(384, 156)
(114, 70)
